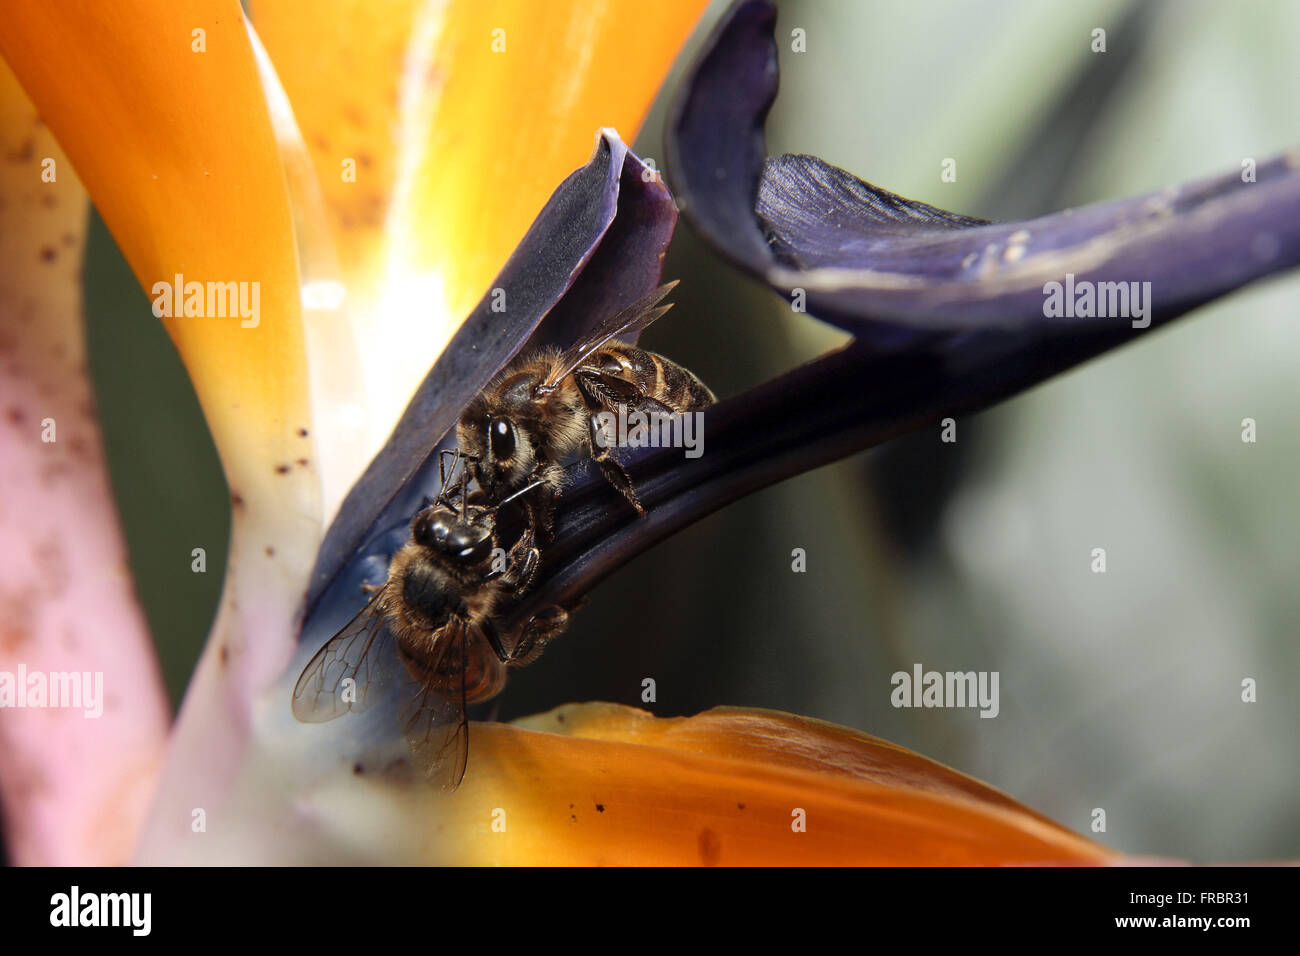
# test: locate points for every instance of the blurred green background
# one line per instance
(1119, 691)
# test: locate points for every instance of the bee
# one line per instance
(546, 406)
(429, 630)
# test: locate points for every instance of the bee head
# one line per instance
(498, 432)
(445, 533)
(503, 452)
(445, 550)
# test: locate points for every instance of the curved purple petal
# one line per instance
(851, 399)
(597, 245)
(888, 268)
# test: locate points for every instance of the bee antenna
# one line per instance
(521, 491)
(443, 473)
(448, 476)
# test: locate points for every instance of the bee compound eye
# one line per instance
(477, 549)
(468, 543)
(501, 436)
(429, 529)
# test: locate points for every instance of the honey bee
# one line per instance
(546, 406)
(429, 630)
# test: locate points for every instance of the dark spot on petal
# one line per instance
(354, 114)
(600, 808)
(302, 462)
(302, 432)
(50, 563)
(225, 655)
(15, 415)
(740, 806)
(236, 499)
(282, 469)
(270, 551)
(12, 636)
(55, 469)
(358, 769)
(710, 847)
(49, 253)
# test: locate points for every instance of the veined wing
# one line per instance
(351, 671)
(432, 714)
(631, 320)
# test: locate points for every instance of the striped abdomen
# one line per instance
(656, 377)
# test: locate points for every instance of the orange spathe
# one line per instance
(438, 130)
(606, 784)
(159, 107)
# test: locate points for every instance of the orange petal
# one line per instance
(455, 143)
(590, 784)
(176, 149)
(612, 784)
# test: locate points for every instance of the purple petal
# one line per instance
(596, 246)
(889, 269)
(846, 401)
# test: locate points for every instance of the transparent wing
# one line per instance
(432, 715)
(351, 671)
(631, 320)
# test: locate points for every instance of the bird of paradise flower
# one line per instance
(331, 169)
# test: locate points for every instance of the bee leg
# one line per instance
(502, 567)
(538, 519)
(611, 469)
(523, 560)
(543, 627)
(616, 476)
(494, 640)
(540, 505)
